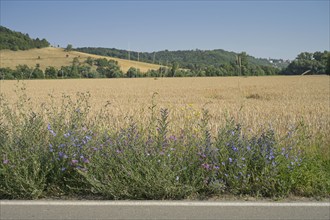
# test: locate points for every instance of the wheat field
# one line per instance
(278, 101)
(57, 57)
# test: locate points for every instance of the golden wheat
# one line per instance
(277, 101)
(57, 57)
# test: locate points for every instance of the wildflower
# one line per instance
(243, 158)
(67, 135)
(173, 138)
(248, 148)
(50, 130)
(202, 155)
(161, 153)
(6, 161)
(216, 167)
(274, 163)
(230, 160)
(177, 178)
(234, 148)
(63, 169)
(85, 160)
(223, 163)
(206, 166)
(60, 154)
(74, 161)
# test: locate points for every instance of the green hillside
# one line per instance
(13, 40)
(185, 58)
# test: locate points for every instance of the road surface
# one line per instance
(99, 210)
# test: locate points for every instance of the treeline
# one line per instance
(185, 58)
(99, 68)
(104, 68)
(196, 62)
(13, 40)
(309, 63)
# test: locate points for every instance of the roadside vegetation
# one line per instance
(66, 150)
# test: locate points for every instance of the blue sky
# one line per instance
(275, 29)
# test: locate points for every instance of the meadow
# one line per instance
(58, 57)
(165, 138)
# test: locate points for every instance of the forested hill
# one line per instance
(184, 58)
(13, 40)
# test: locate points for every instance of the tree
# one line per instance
(90, 61)
(328, 64)
(316, 63)
(133, 72)
(51, 72)
(68, 47)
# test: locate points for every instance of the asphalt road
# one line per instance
(93, 210)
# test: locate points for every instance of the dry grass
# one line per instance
(256, 101)
(57, 57)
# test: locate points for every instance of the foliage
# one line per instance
(221, 62)
(60, 151)
(316, 63)
(13, 40)
(68, 47)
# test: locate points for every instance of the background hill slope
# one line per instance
(58, 57)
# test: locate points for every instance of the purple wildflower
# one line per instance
(60, 154)
(173, 138)
(74, 161)
(50, 130)
(86, 160)
(216, 167)
(230, 160)
(206, 166)
(5, 161)
(67, 135)
(223, 163)
(63, 169)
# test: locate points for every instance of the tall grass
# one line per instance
(63, 150)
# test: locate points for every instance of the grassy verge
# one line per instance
(65, 151)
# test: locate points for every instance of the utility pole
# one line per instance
(138, 56)
(154, 57)
(129, 52)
